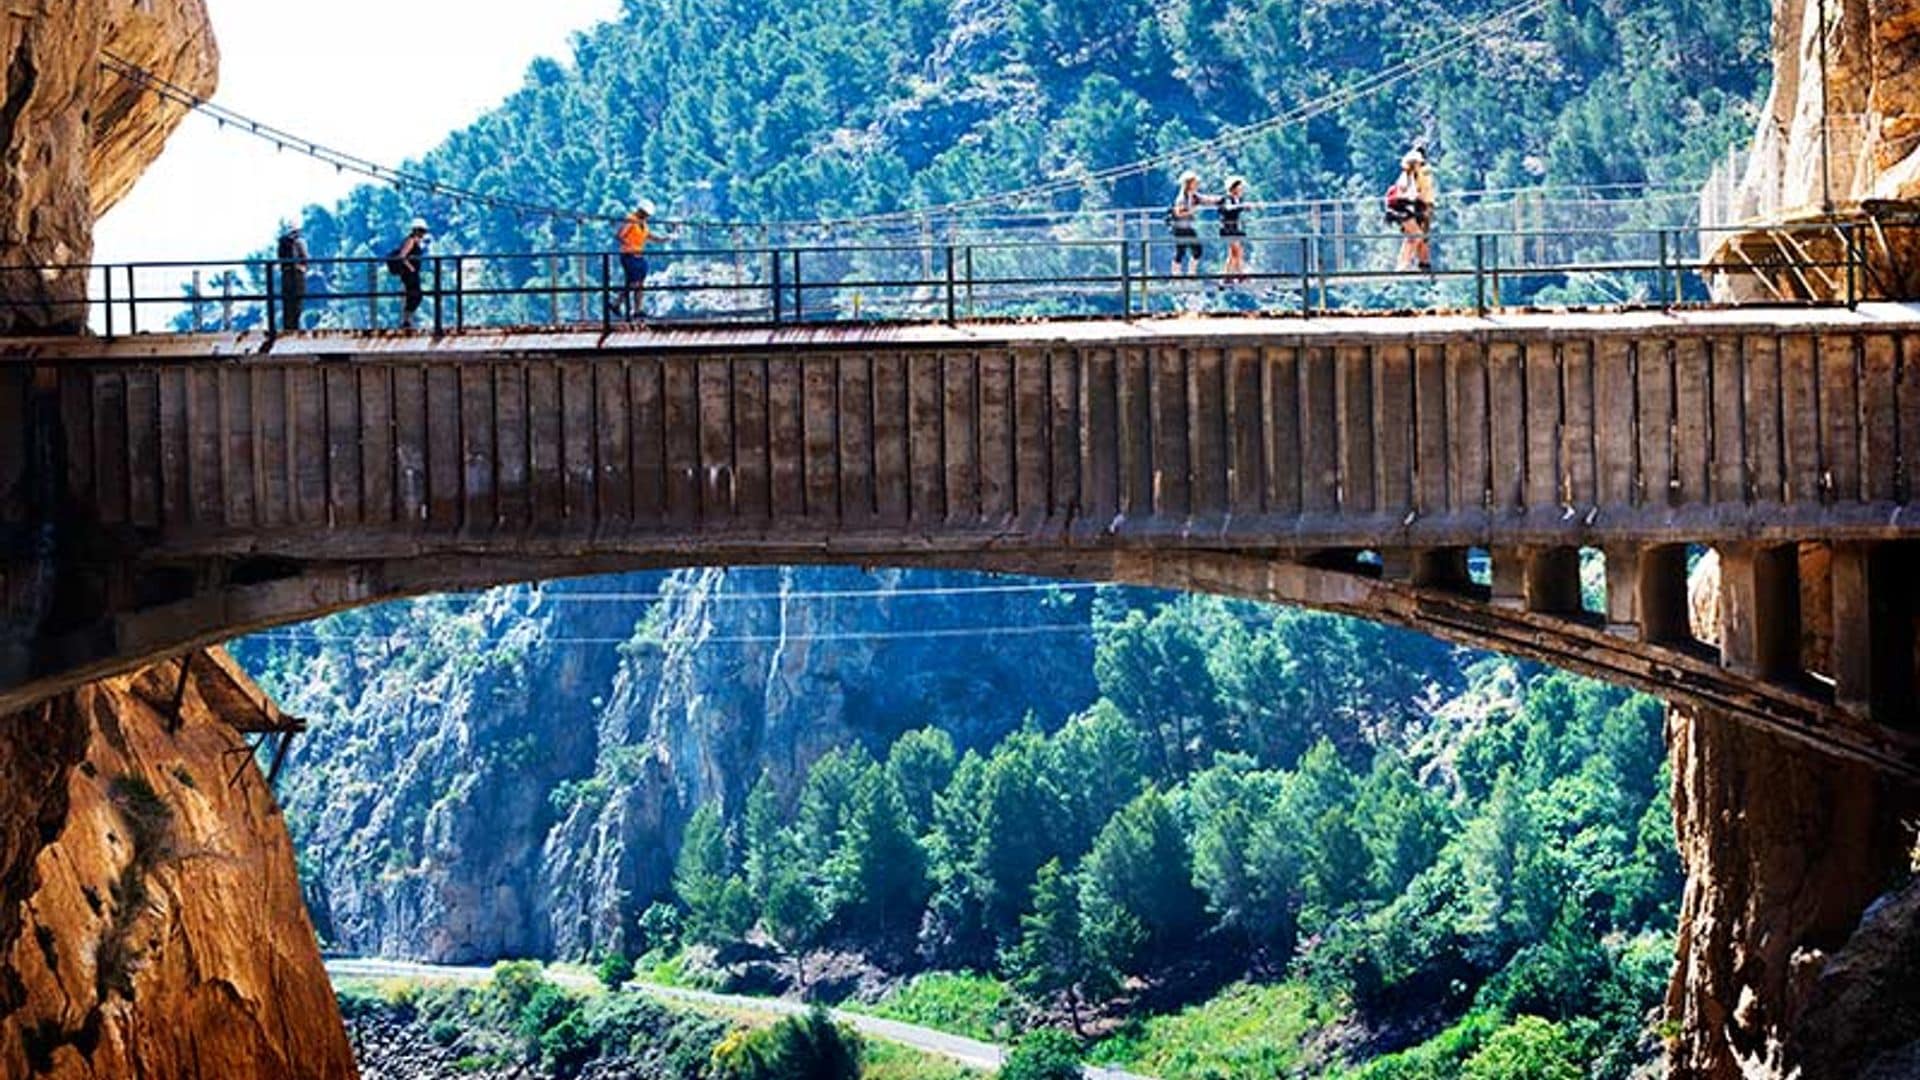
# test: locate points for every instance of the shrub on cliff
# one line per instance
(1045, 1054)
(810, 1046)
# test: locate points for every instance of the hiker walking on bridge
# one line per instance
(1182, 217)
(292, 253)
(404, 262)
(633, 234)
(1410, 205)
(1232, 205)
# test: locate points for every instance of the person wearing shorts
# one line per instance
(1233, 204)
(1182, 217)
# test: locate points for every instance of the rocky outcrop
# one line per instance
(150, 918)
(514, 780)
(1783, 849)
(1868, 101)
(1862, 1018)
(74, 138)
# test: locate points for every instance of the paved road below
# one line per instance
(970, 1052)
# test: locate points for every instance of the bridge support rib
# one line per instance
(1647, 593)
(1873, 634)
(1760, 610)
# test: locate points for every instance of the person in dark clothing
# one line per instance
(293, 274)
(405, 261)
(1232, 205)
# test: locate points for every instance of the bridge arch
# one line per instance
(197, 488)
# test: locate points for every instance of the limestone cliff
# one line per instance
(74, 138)
(150, 918)
(1869, 101)
(510, 774)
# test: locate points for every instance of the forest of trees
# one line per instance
(778, 110)
(1263, 791)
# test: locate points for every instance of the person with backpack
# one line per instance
(633, 235)
(404, 263)
(1233, 204)
(292, 253)
(1182, 217)
(1410, 206)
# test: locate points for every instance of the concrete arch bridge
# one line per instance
(161, 493)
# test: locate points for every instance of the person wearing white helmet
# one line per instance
(292, 253)
(404, 262)
(1410, 205)
(1182, 217)
(633, 235)
(1232, 205)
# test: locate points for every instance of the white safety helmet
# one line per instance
(1414, 157)
(1189, 177)
(418, 224)
(1236, 181)
(645, 206)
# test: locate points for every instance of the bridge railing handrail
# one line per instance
(948, 278)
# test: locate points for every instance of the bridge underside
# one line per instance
(172, 492)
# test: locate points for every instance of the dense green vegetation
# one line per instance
(780, 111)
(1291, 802)
(520, 1023)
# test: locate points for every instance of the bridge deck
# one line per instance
(184, 488)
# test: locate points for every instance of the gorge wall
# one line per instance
(509, 774)
(150, 918)
(74, 138)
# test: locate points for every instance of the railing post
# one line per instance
(460, 293)
(553, 290)
(196, 300)
(1493, 266)
(799, 306)
(1851, 235)
(967, 260)
(226, 302)
(774, 256)
(272, 292)
(1663, 262)
(439, 315)
(606, 294)
(133, 304)
(1146, 273)
(106, 274)
(373, 296)
(952, 308)
(1480, 273)
(1306, 276)
(1126, 280)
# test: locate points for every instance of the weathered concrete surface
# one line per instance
(73, 139)
(151, 926)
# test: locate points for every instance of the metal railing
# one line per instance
(1305, 273)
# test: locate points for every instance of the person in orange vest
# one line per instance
(633, 235)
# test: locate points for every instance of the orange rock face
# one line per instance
(151, 926)
(74, 138)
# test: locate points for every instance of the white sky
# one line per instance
(382, 79)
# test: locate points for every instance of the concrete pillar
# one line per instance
(1647, 593)
(1553, 580)
(1509, 578)
(1441, 568)
(1873, 635)
(1760, 609)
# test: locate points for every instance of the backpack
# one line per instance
(1399, 204)
(396, 265)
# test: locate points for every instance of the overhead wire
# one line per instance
(1467, 39)
(388, 640)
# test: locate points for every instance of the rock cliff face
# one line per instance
(1783, 850)
(515, 780)
(74, 138)
(150, 918)
(1869, 100)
